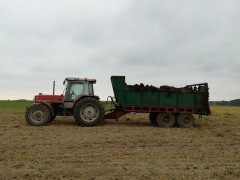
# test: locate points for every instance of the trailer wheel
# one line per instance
(88, 112)
(38, 115)
(185, 120)
(153, 118)
(165, 120)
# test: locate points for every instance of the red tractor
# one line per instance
(79, 101)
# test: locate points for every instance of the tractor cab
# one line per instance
(76, 87)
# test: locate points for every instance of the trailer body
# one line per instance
(169, 104)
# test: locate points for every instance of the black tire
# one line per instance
(153, 118)
(165, 120)
(38, 115)
(185, 120)
(88, 112)
(52, 118)
(176, 117)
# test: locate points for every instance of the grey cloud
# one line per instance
(169, 42)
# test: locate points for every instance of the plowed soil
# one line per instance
(130, 148)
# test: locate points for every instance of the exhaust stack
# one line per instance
(53, 87)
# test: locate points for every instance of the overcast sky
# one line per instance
(156, 42)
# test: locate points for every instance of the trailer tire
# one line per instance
(185, 120)
(88, 112)
(153, 118)
(38, 115)
(165, 120)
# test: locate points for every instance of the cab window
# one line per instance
(90, 88)
(74, 90)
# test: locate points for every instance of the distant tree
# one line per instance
(235, 102)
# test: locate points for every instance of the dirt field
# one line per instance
(127, 149)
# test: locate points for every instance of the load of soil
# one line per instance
(142, 87)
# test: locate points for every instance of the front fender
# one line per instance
(48, 105)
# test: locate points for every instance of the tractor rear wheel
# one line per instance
(38, 115)
(165, 120)
(88, 112)
(185, 120)
(153, 118)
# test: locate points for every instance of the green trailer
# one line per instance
(166, 105)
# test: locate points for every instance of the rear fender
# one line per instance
(82, 97)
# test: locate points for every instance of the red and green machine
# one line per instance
(167, 106)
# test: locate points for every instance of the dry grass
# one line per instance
(127, 149)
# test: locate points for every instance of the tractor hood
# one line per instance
(48, 98)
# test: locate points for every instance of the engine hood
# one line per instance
(48, 98)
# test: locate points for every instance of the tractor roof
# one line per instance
(79, 79)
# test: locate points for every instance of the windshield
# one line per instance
(74, 89)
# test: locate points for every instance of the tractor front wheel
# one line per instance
(52, 118)
(88, 112)
(38, 115)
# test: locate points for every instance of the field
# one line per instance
(130, 148)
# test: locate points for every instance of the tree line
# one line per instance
(235, 102)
